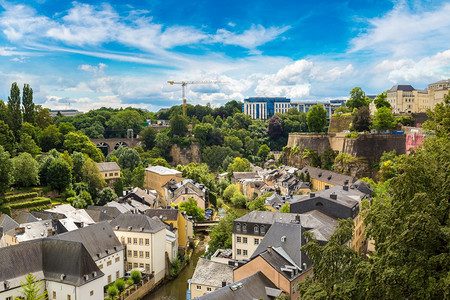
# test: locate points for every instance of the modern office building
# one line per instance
(265, 107)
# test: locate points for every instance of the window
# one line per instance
(141, 265)
(130, 253)
(199, 287)
(117, 274)
(130, 266)
(8, 298)
(141, 254)
(91, 293)
(110, 174)
(106, 174)
(147, 242)
(238, 227)
(135, 253)
(69, 297)
(135, 241)
(141, 241)
(238, 251)
(129, 240)
(116, 174)
(256, 241)
(244, 240)
(147, 254)
(109, 262)
(263, 229)
(135, 265)
(100, 266)
(122, 239)
(147, 268)
(244, 253)
(208, 289)
(238, 239)
(244, 227)
(117, 259)
(256, 229)
(109, 279)
(54, 295)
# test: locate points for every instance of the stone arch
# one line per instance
(120, 144)
(104, 147)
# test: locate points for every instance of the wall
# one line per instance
(143, 290)
(185, 198)
(184, 156)
(113, 268)
(316, 142)
(414, 140)
(154, 181)
(339, 124)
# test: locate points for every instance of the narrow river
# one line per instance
(176, 289)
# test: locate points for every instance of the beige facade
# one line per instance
(109, 170)
(244, 245)
(185, 198)
(157, 176)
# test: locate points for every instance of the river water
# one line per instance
(176, 289)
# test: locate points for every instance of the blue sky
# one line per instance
(121, 53)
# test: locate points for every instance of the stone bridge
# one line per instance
(110, 144)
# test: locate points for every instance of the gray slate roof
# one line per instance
(112, 212)
(7, 223)
(25, 217)
(98, 215)
(256, 286)
(363, 187)
(348, 198)
(166, 214)
(108, 166)
(329, 176)
(266, 217)
(99, 239)
(212, 273)
(137, 223)
(47, 259)
(401, 87)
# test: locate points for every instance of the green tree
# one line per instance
(28, 104)
(380, 101)
(90, 174)
(14, 112)
(147, 136)
(191, 208)
(215, 155)
(3, 112)
(239, 165)
(42, 116)
(383, 119)
(179, 125)
(162, 141)
(220, 236)
(136, 276)
(78, 160)
(137, 177)
(124, 120)
(66, 127)
(234, 143)
(27, 144)
(229, 191)
(275, 127)
(357, 99)
(127, 158)
(106, 195)
(75, 141)
(120, 284)
(7, 139)
(285, 208)
(112, 291)
(50, 138)
(439, 119)
(257, 204)
(263, 151)
(58, 174)
(316, 118)
(26, 170)
(361, 119)
(239, 200)
(6, 171)
(32, 289)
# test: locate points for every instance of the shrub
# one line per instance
(40, 201)
(130, 281)
(6, 210)
(352, 135)
(20, 196)
(175, 268)
(136, 276)
(113, 291)
(120, 284)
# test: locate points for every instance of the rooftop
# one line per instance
(108, 166)
(137, 223)
(338, 194)
(400, 87)
(266, 217)
(329, 176)
(212, 273)
(164, 214)
(7, 223)
(162, 170)
(25, 217)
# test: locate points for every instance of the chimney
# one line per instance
(327, 187)
(49, 231)
(269, 249)
(224, 283)
(345, 187)
(333, 196)
(297, 219)
(312, 195)
(20, 230)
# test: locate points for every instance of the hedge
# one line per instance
(6, 210)
(20, 196)
(36, 202)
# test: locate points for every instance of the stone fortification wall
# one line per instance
(316, 142)
(186, 155)
(339, 123)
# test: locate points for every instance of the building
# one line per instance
(330, 106)
(148, 197)
(210, 276)
(321, 179)
(109, 170)
(79, 216)
(65, 268)
(157, 176)
(65, 112)
(280, 258)
(407, 99)
(178, 192)
(103, 246)
(256, 286)
(178, 220)
(145, 241)
(339, 202)
(265, 107)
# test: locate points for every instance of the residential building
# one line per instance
(222, 256)
(25, 217)
(145, 240)
(109, 170)
(251, 187)
(178, 220)
(65, 269)
(148, 197)
(274, 202)
(320, 178)
(178, 192)
(210, 276)
(280, 258)
(237, 176)
(112, 212)
(79, 216)
(172, 243)
(407, 99)
(6, 224)
(103, 246)
(256, 286)
(157, 176)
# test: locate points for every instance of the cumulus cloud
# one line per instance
(96, 70)
(403, 32)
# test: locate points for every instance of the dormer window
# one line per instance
(244, 227)
(256, 229)
(238, 227)
(263, 229)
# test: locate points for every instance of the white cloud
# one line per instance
(402, 32)
(96, 70)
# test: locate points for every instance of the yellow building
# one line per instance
(178, 220)
(322, 179)
(209, 276)
(109, 170)
(157, 176)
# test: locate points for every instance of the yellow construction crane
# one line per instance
(183, 88)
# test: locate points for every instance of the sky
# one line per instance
(88, 54)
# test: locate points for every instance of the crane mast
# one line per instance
(183, 88)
